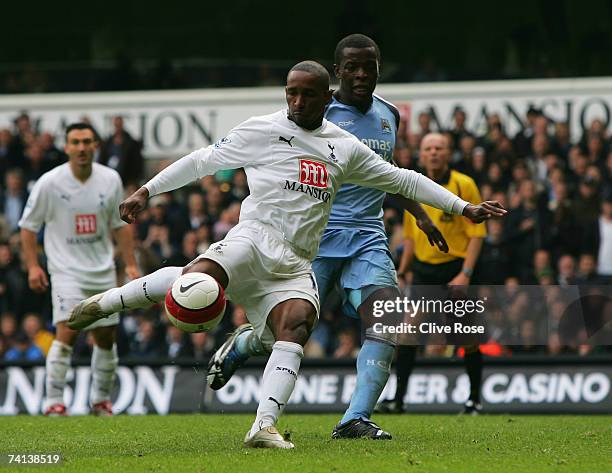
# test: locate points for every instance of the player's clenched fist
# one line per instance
(134, 204)
(484, 211)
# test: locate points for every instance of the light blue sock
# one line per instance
(248, 344)
(373, 368)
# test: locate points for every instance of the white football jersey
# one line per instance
(294, 174)
(78, 219)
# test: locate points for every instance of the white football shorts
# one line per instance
(263, 271)
(64, 298)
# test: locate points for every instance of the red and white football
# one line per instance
(195, 302)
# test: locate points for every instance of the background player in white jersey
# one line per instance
(354, 253)
(77, 203)
(295, 162)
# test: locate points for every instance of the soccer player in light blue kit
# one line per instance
(354, 252)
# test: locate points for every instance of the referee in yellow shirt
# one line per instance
(430, 266)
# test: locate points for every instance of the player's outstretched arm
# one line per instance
(423, 221)
(370, 170)
(178, 174)
(238, 149)
(484, 211)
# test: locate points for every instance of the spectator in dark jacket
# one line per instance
(494, 261)
(585, 214)
(527, 229)
(123, 153)
(178, 343)
(146, 344)
(13, 199)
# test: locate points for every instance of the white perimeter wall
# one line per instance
(173, 123)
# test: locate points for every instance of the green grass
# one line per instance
(213, 443)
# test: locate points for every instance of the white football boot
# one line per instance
(86, 313)
(268, 437)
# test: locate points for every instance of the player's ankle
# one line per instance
(111, 301)
(261, 424)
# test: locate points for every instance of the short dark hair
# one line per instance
(356, 40)
(312, 67)
(81, 126)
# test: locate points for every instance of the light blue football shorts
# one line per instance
(356, 276)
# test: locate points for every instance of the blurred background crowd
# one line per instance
(558, 233)
(245, 43)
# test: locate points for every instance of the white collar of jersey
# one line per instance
(295, 126)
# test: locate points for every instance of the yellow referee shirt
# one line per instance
(456, 229)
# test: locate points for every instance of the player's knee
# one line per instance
(381, 336)
(300, 332)
(293, 321)
(297, 328)
(374, 295)
(204, 265)
(380, 308)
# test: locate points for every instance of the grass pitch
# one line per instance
(213, 443)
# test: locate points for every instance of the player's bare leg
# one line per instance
(291, 323)
(208, 266)
(104, 361)
(57, 364)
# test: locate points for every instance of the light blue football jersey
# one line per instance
(355, 208)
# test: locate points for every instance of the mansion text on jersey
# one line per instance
(315, 192)
(83, 240)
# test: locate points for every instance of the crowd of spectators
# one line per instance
(558, 233)
(125, 74)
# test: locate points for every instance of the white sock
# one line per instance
(142, 292)
(249, 344)
(278, 382)
(103, 368)
(58, 362)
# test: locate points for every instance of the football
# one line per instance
(195, 302)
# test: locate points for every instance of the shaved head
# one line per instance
(429, 137)
(314, 68)
(434, 154)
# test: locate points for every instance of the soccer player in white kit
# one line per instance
(295, 161)
(77, 203)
